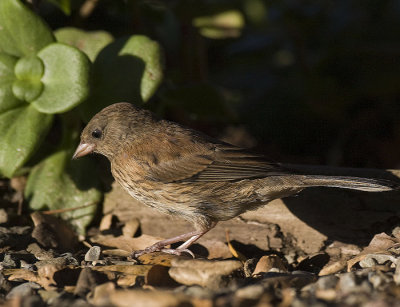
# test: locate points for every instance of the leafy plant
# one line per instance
(45, 79)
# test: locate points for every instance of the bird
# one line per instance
(185, 173)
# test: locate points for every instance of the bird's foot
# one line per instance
(171, 251)
(158, 248)
(178, 251)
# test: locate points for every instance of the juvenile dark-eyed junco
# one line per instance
(183, 172)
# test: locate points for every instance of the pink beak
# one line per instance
(83, 150)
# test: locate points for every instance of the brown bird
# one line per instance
(182, 172)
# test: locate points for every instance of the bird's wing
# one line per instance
(223, 162)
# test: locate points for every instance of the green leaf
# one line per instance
(65, 79)
(220, 26)
(21, 31)
(30, 67)
(27, 90)
(22, 130)
(129, 69)
(90, 42)
(150, 52)
(28, 71)
(7, 77)
(59, 183)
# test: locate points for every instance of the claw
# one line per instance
(177, 251)
(171, 251)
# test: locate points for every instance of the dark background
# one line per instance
(313, 82)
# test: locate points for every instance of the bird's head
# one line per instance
(113, 126)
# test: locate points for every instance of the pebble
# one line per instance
(8, 262)
(327, 282)
(347, 282)
(25, 289)
(93, 254)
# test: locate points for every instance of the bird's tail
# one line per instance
(353, 183)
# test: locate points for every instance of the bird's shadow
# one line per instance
(346, 215)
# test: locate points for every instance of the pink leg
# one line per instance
(190, 238)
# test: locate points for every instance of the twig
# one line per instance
(67, 209)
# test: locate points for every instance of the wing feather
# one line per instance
(220, 163)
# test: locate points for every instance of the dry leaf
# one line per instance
(130, 228)
(125, 243)
(51, 231)
(158, 276)
(106, 222)
(24, 274)
(333, 268)
(140, 270)
(216, 249)
(127, 280)
(206, 273)
(266, 263)
(116, 252)
(159, 258)
(379, 244)
(234, 252)
(101, 294)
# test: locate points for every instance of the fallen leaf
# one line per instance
(106, 222)
(24, 274)
(51, 231)
(234, 252)
(158, 276)
(266, 263)
(206, 273)
(333, 268)
(101, 294)
(140, 270)
(380, 244)
(88, 280)
(125, 243)
(160, 258)
(130, 228)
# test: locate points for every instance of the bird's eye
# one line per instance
(97, 133)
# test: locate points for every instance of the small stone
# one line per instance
(101, 294)
(251, 292)
(22, 290)
(26, 265)
(32, 301)
(40, 253)
(93, 254)
(326, 294)
(396, 232)
(71, 260)
(347, 282)
(196, 291)
(372, 260)
(136, 297)
(206, 273)
(327, 282)
(8, 262)
(378, 279)
(396, 276)
(3, 216)
(366, 286)
(49, 296)
(5, 285)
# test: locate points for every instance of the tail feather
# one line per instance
(353, 183)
